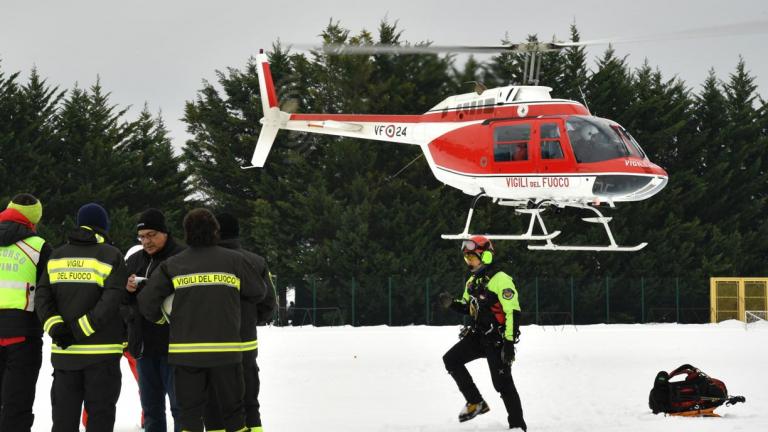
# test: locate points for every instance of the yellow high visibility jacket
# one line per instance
(18, 273)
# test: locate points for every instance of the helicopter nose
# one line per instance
(629, 187)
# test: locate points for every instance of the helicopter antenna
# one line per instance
(583, 98)
(388, 179)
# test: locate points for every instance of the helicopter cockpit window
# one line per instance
(550, 141)
(510, 143)
(594, 140)
(633, 145)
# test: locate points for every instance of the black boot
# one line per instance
(521, 424)
(471, 410)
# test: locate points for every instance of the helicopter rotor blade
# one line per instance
(734, 29)
(430, 49)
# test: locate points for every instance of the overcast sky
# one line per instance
(159, 51)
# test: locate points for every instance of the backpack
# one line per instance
(697, 394)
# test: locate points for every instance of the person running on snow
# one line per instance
(490, 298)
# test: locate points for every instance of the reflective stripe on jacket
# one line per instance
(82, 289)
(207, 284)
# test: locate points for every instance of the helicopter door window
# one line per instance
(511, 143)
(550, 141)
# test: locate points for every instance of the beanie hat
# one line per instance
(229, 227)
(93, 215)
(33, 212)
(152, 219)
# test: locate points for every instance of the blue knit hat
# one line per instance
(93, 215)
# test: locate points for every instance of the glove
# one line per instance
(508, 352)
(263, 319)
(62, 336)
(445, 300)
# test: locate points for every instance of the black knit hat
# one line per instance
(94, 216)
(229, 227)
(152, 219)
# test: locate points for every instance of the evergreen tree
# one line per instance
(153, 171)
(574, 67)
(609, 90)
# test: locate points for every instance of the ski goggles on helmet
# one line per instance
(469, 246)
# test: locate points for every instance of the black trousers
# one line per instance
(19, 369)
(97, 385)
(475, 346)
(213, 418)
(225, 383)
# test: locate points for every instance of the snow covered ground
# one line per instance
(587, 378)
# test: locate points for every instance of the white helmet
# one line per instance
(588, 131)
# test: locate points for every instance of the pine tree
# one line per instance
(574, 76)
(609, 90)
(153, 170)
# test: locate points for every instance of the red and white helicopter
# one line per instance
(514, 144)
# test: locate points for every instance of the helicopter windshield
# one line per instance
(595, 140)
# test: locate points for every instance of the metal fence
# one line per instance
(544, 301)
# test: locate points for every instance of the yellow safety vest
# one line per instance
(18, 273)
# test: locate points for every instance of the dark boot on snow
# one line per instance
(520, 425)
(471, 410)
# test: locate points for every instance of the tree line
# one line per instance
(336, 216)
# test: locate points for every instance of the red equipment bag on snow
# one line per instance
(697, 394)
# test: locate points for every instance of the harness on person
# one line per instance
(695, 396)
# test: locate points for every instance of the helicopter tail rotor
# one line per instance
(274, 119)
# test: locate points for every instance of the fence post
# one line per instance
(282, 306)
(573, 308)
(642, 299)
(677, 299)
(353, 302)
(426, 303)
(536, 284)
(389, 300)
(607, 300)
(314, 300)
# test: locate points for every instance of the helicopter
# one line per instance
(516, 145)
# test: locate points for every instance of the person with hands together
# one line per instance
(78, 302)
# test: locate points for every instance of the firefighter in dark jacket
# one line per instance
(148, 341)
(490, 298)
(253, 313)
(78, 302)
(23, 257)
(207, 282)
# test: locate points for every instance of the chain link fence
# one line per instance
(397, 301)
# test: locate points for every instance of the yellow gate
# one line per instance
(731, 297)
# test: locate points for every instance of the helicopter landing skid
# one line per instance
(613, 247)
(528, 235)
(535, 214)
